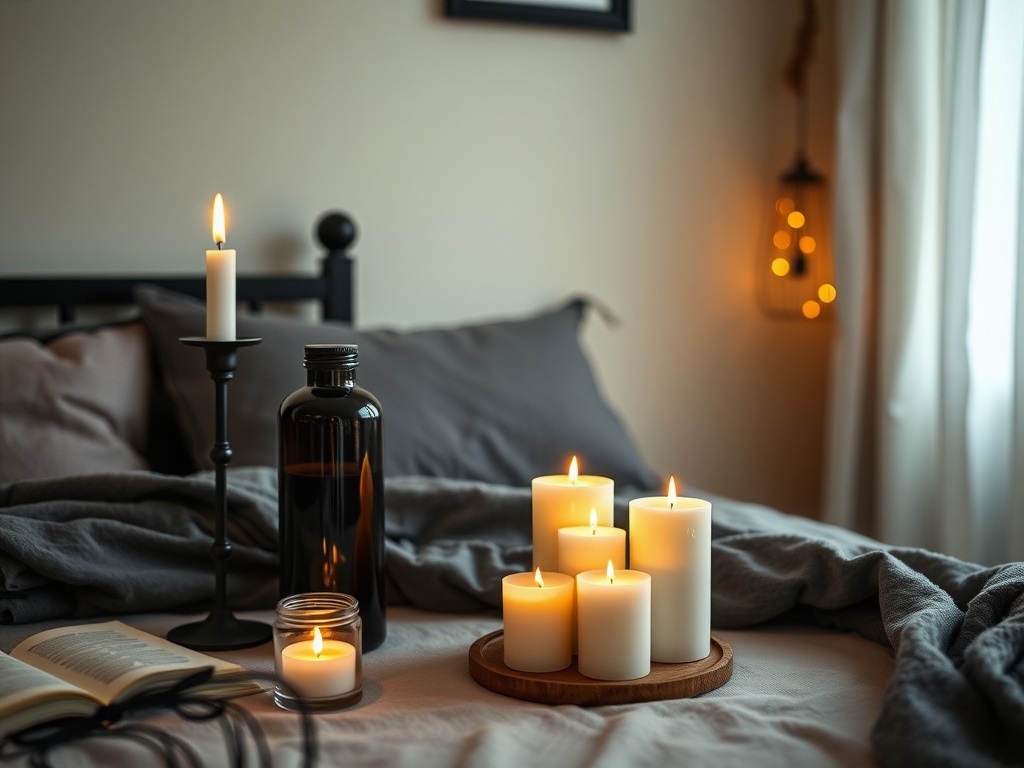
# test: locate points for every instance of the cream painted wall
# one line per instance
(493, 170)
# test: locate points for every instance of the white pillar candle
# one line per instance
(614, 624)
(587, 548)
(220, 281)
(537, 617)
(319, 669)
(670, 538)
(562, 501)
(590, 547)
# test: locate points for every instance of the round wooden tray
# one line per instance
(568, 686)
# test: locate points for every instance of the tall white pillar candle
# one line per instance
(562, 501)
(614, 624)
(537, 619)
(220, 281)
(670, 538)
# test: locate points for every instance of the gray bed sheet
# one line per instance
(799, 696)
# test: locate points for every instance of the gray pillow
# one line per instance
(75, 405)
(501, 402)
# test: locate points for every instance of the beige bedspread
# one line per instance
(799, 696)
(140, 541)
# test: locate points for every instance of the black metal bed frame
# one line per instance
(333, 287)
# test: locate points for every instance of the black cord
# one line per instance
(241, 731)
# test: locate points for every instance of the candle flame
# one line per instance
(318, 642)
(538, 578)
(611, 573)
(593, 521)
(219, 232)
(574, 471)
(671, 492)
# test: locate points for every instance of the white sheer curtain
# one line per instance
(927, 428)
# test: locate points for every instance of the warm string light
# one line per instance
(795, 264)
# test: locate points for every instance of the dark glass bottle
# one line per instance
(331, 487)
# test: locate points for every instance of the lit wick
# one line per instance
(318, 642)
(671, 492)
(218, 221)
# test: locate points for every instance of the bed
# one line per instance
(846, 651)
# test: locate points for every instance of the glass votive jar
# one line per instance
(318, 651)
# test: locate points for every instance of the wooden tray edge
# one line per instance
(568, 686)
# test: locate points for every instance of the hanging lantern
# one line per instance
(794, 268)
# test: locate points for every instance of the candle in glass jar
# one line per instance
(562, 501)
(614, 624)
(670, 538)
(220, 281)
(537, 618)
(318, 668)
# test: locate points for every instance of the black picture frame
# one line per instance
(615, 17)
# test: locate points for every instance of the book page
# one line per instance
(19, 681)
(106, 658)
(29, 695)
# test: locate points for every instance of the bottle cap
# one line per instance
(331, 356)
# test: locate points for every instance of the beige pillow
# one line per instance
(75, 405)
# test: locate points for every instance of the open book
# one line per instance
(73, 670)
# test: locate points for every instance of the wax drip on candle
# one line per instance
(671, 492)
(611, 573)
(318, 642)
(538, 578)
(574, 471)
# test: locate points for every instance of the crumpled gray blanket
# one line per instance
(133, 542)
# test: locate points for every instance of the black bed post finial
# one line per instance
(336, 232)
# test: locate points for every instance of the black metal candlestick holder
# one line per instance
(221, 630)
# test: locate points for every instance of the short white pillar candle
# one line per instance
(590, 547)
(537, 617)
(614, 624)
(586, 548)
